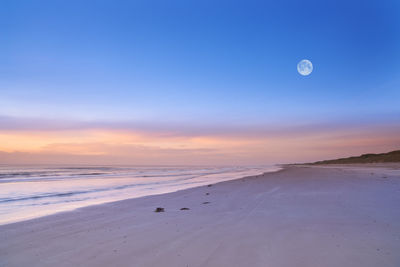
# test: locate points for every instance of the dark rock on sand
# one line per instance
(185, 209)
(159, 209)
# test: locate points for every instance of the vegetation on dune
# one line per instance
(393, 156)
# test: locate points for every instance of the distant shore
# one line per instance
(316, 215)
(390, 157)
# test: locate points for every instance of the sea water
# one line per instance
(32, 191)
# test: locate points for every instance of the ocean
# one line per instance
(28, 192)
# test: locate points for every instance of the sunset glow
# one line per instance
(175, 147)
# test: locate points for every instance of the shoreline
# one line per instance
(67, 205)
(139, 197)
(300, 210)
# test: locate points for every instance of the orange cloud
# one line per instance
(104, 145)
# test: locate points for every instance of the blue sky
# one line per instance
(200, 62)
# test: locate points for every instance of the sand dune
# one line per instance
(300, 216)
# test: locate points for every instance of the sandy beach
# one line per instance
(300, 216)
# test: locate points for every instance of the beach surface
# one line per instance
(333, 215)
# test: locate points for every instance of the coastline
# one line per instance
(299, 215)
(34, 192)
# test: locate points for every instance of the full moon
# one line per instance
(305, 67)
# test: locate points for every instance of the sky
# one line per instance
(197, 82)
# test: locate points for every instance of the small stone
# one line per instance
(159, 209)
(206, 202)
(185, 209)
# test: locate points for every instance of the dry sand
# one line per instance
(300, 216)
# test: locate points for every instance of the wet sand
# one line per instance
(300, 216)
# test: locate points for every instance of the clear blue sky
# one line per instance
(207, 62)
